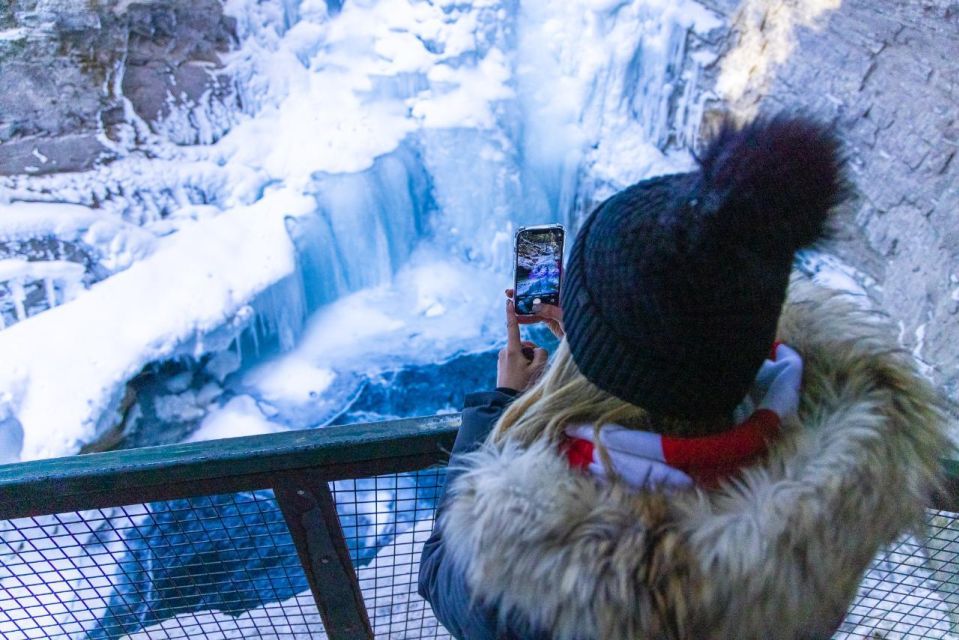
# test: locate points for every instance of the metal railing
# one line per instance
(306, 534)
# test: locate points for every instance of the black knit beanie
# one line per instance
(674, 285)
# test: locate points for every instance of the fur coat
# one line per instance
(778, 553)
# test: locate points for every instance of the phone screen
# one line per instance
(539, 266)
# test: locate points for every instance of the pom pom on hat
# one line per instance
(780, 176)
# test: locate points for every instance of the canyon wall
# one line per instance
(886, 72)
(85, 79)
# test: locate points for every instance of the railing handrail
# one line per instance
(227, 465)
(145, 474)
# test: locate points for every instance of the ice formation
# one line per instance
(379, 144)
(61, 279)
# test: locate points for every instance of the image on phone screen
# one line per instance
(539, 265)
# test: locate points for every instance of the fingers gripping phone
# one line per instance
(538, 266)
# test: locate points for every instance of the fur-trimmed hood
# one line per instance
(776, 554)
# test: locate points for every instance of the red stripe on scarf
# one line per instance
(706, 459)
(709, 458)
(579, 452)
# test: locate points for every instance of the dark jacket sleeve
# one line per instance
(480, 412)
(440, 583)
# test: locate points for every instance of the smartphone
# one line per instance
(538, 267)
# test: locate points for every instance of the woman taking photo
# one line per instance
(715, 450)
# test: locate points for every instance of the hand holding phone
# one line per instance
(520, 363)
(549, 314)
(538, 267)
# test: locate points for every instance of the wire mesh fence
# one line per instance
(221, 566)
(221, 563)
(912, 589)
(386, 520)
(225, 566)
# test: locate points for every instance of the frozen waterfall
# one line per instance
(354, 219)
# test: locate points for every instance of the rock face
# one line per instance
(79, 78)
(886, 73)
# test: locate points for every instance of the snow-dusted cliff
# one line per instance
(885, 72)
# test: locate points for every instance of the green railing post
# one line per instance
(310, 514)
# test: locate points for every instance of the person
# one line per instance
(718, 448)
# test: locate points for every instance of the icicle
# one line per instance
(238, 347)
(70, 288)
(50, 291)
(256, 338)
(198, 348)
(291, 13)
(19, 295)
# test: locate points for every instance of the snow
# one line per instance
(117, 243)
(239, 417)
(26, 219)
(367, 322)
(294, 379)
(10, 35)
(53, 269)
(191, 284)
(457, 107)
(356, 217)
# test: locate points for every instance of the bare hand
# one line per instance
(513, 369)
(547, 313)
